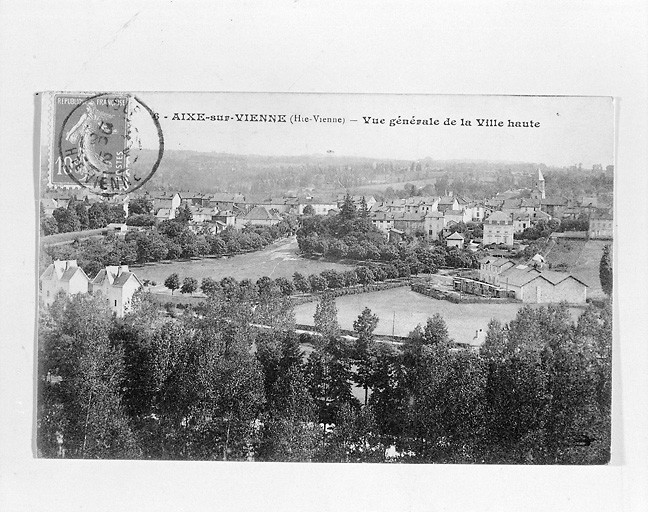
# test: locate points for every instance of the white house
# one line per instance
(384, 221)
(62, 275)
(117, 284)
(601, 226)
(167, 200)
(456, 239)
(49, 205)
(434, 224)
(165, 214)
(202, 214)
(498, 229)
(457, 216)
(320, 206)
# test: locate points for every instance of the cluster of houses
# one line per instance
(502, 216)
(116, 284)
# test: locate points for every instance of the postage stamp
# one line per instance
(97, 141)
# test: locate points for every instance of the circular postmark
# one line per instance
(110, 143)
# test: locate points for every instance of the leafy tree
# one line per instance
(209, 286)
(143, 220)
(330, 374)
(48, 225)
(80, 375)
(348, 210)
(151, 246)
(174, 249)
(605, 270)
(66, 220)
(446, 407)
(364, 326)
(285, 285)
(325, 318)
(309, 210)
(81, 211)
(265, 285)
(434, 333)
(172, 282)
(98, 215)
(301, 283)
(365, 275)
(189, 285)
(140, 206)
(317, 283)
(116, 214)
(183, 214)
(350, 278)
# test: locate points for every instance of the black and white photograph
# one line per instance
(326, 278)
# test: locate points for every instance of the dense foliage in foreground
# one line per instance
(213, 385)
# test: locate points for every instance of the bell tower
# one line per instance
(540, 184)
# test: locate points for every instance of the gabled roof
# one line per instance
(495, 260)
(447, 200)
(380, 215)
(49, 272)
(260, 213)
(117, 280)
(498, 217)
(71, 272)
(123, 278)
(409, 216)
(455, 236)
(512, 203)
(517, 276)
(201, 210)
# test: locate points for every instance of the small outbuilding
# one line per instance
(456, 239)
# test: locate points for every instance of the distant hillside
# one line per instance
(332, 174)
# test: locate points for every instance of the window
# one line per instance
(115, 302)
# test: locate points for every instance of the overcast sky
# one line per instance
(572, 129)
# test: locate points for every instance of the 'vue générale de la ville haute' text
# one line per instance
(370, 120)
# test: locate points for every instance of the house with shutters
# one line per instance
(498, 229)
(601, 225)
(62, 276)
(117, 285)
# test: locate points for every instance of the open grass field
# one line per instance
(402, 309)
(582, 258)
(278, 260)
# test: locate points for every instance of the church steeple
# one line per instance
(540, 184)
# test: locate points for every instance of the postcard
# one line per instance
(325, 277)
